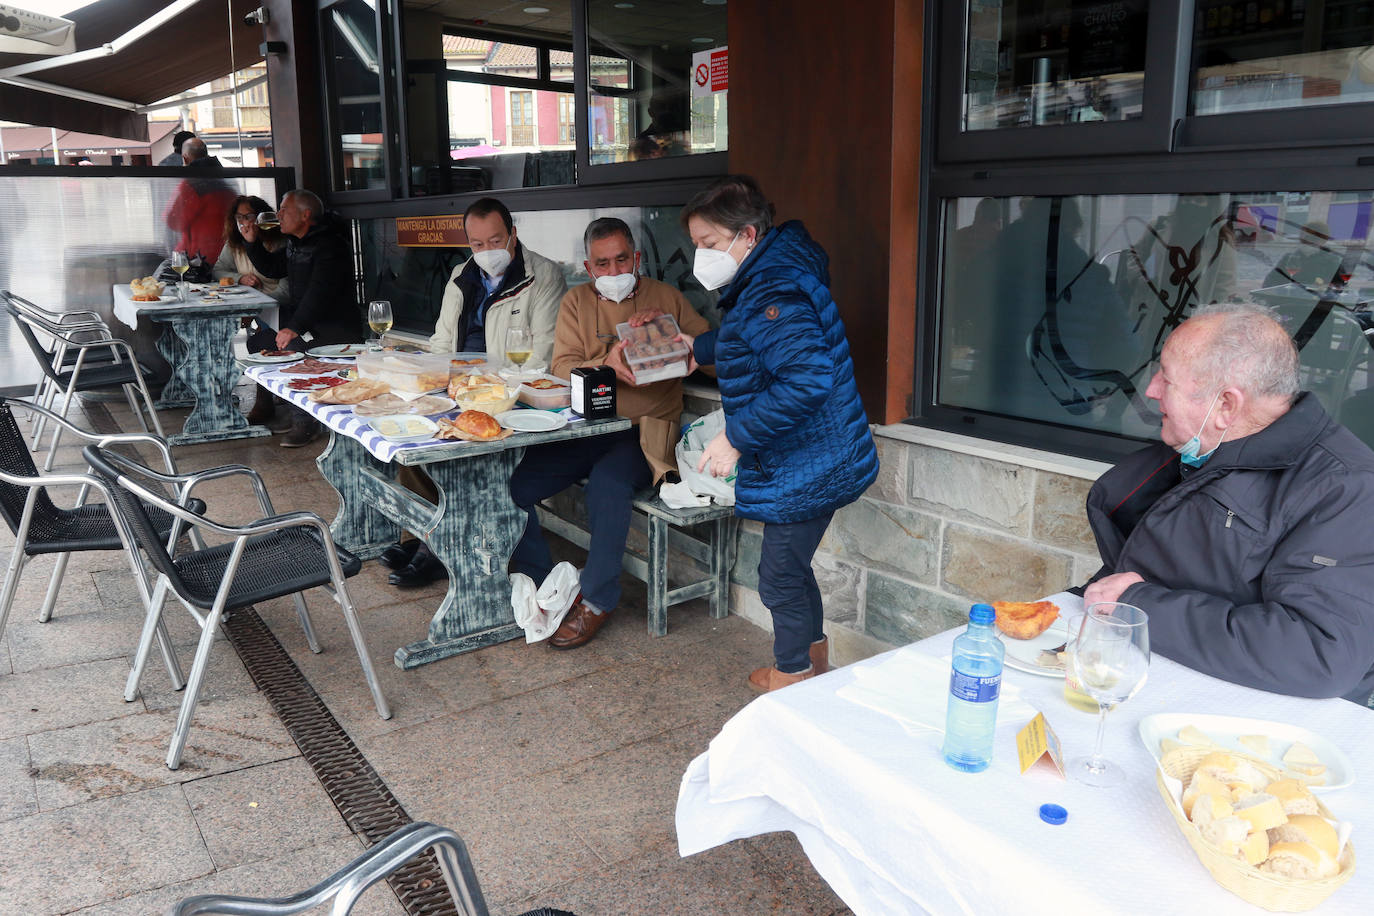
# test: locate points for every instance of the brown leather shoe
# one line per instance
(578, 627)
(820, 655)
(766, 680)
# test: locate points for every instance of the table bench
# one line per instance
(715, 554)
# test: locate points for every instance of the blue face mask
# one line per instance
(1188, 451)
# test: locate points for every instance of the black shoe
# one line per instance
(399, 555)
(424, 569)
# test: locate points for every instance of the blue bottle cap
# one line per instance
(982, 613)
(1053, 814)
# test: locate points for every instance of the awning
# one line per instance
(36, 142)
(102, 94)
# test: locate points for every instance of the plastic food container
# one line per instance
(413, 372)
(546, 398)
(651, 351)
(492, 399)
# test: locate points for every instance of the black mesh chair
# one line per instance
(77, 321)
(41, 527)
(342, 889)
(87, 343)
(276, 556)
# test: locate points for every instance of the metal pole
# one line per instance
(54, 146)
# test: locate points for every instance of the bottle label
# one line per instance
(974, 689)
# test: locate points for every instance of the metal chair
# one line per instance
(346, 885)
(276, 556)
(40, 527)
(81, 376)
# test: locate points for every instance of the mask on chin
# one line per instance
(493, 261)
(1188, 451)
(616, 288)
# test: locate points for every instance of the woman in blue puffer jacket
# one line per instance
(794, 425)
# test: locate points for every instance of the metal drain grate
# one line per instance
(367, 805)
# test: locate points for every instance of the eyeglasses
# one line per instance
(245, 217)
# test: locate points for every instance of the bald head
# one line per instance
(193, 149)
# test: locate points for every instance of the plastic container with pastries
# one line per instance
(412, 372)
(547, 392)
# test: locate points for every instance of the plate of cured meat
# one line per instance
(315, 383)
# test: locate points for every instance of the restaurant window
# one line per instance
(356, 86)
(658, 80)
(1053, 308)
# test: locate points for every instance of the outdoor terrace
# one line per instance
(559, 769)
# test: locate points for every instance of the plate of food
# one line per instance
(1300, 753)
(316, 383)
(393, 405)
(347, 350)
(405, 428)
(272, 357)
(1035, 632)
(531, 421)
(232, 291)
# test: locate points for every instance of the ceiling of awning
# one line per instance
(192, 48)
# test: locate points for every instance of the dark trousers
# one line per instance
(788, 588)
(615, 468)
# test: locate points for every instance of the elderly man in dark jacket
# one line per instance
(318, 266)
(1244, 534)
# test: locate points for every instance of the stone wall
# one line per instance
(939, 530)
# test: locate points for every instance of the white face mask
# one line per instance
(493, 261)
(713, 268)
(616, 288)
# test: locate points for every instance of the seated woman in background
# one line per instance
(233, 258)
(234, 263)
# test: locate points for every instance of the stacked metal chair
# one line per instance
(85, 356)
(41, 527)
(276, 556)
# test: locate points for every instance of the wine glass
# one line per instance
(180, 264)
(379, 320)
(268, 219)
(1111, 658)
(519, 344)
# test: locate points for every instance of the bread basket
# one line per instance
(473, 399)
(1272, 892)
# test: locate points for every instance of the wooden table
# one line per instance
(198, 342)
(472, 530)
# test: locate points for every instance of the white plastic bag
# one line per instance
(540, 612)
(689, 450)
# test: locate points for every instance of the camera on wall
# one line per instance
(259, 16)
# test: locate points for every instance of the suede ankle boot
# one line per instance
(766, 680)
(820, 655)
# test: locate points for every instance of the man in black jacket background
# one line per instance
(1244, 534)
(318, 264)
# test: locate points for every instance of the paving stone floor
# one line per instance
(559, 769)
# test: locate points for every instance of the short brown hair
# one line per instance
(486, 206)
(732, 202)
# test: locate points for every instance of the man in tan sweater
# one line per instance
(614, 465)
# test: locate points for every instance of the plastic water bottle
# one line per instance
(975, 682)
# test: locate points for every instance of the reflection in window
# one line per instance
(659, 79)
(504, 131)
(357, 87)
(1052, 308)
(1260, 55)
(1054, 62)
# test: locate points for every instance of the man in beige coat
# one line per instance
(614, 465)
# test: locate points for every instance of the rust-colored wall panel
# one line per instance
(811, 117)
(908, 53)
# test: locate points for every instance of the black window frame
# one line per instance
(392, 143)
(1310, 148)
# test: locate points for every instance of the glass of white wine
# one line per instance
(379, 320)
(268, 219)
(1111, 658)
(519, 344)
(180, 264)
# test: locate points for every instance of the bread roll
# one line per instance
(1261, 811)
(1231, 770)
(1293, 795)
(477, 423)
(1299, 860)
(1255, 849)
(1204, 784)
(1228, 834)
(1308, 828)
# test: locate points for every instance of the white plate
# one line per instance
(1225, 730)
(404, 428)
(531, 421)
(349, 350)
(257, 360)
(232, 291)
(1024, 654)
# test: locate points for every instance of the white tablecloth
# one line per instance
(893, 829)
(127, 310)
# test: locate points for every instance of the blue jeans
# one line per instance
(788, 588)
(615, 468)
